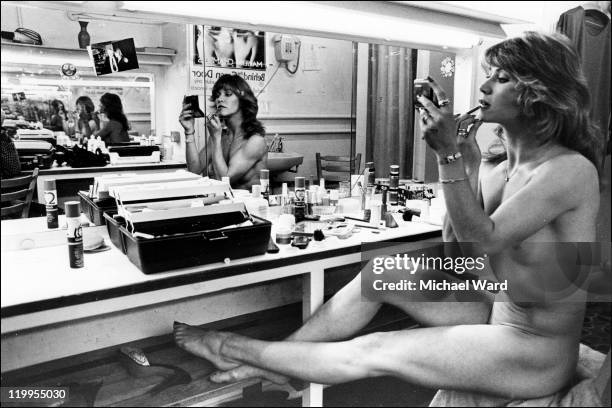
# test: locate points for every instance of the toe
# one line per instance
(221, 377)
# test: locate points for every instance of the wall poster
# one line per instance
(215, 51)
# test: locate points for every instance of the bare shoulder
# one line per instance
(256, 145)
(570, 170)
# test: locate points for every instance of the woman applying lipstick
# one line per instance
(236, 147)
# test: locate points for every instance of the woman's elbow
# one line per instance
(194, 167)
(488, 245)
(484, 240)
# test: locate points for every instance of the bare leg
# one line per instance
(348, 312)
(495, 359)
(340, 317)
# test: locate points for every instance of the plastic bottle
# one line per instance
(90, 144)
(167, 148)
(264, 180)
(334, 196)
(50, 193)
(284, 195)
(368, 191)
(310, 202)
(257, 205)
(74, 234)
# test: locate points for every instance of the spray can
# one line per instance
(300, 196)
(50, 193)
(74, 234)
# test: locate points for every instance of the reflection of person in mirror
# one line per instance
(60, 119)
(493, 348)
(115, 130)
(11, 166)
(89, 121)
(235, 138)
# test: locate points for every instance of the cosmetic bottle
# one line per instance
(50, 193)
(74, 233)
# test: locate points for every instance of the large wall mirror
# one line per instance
(305, 104)
(35, 78)
(392, 132)
(311, 104)
(304, 87)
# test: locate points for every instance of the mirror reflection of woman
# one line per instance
(115, 130)
(236, 145)
(88, 121)
(60, 120)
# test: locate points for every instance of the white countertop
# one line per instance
(43, 273)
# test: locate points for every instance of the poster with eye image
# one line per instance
(113, 56)
(216, 51)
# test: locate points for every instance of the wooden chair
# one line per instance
(343, 166)
(17, 195)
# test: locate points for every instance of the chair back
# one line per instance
(17, 195)
(342, 166)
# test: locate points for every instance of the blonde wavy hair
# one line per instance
(553, 92)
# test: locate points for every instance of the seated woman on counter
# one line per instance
(524, 215)
(236, 145)
(115, 130)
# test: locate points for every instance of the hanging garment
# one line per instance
(589, 31)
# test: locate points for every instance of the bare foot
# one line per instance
(245, 372)
(203, 343)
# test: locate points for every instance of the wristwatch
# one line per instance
(450, 158)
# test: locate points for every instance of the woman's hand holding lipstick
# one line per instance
(213, 123)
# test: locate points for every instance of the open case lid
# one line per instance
(107, 182)
(143, 192)
(190, 202)
(41, 133)
(33, 147)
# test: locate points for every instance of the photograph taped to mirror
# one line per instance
(113, 56)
